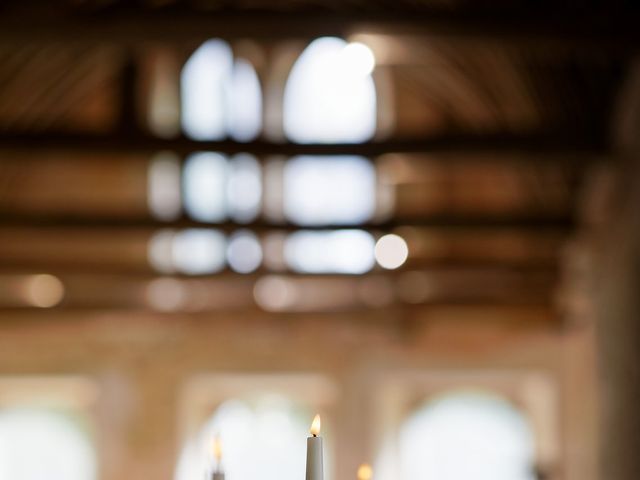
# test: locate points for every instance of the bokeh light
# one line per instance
(43, 290)
(205, 182)
(391, 251)
(244, 252)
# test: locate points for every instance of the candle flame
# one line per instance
(365, 472)
(217, 448)
(315, 425)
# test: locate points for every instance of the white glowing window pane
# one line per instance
(205, 179)
(266, 430)
(203, 84)
(343, 251)
(244, 190)
(330, 95)
(245, 102)
(329, 190)
(491, 437)
(164, 186)
(199, 251)
(38, 444)
(244, 252)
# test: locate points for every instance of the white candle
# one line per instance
(314, 452)
(218, 474)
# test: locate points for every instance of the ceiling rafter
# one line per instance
(125, 22)
(574, 146)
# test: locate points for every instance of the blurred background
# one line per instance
(418, 218)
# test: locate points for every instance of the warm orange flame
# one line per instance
(217, 448)
(315, 426)
(365, 472)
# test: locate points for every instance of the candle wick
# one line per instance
(314, 434)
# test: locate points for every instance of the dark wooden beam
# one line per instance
(125, 250)
(451, 286)
(539, 222)
(554, 146)
(127, 116)
(129, 22)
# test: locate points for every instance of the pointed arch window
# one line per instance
(265, 428)
(58, 444)
(464, 435)
(221, 96)
(330, 96)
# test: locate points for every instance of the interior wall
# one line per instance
(141, 363)
(616, 284)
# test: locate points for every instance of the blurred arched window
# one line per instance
(338, 251)
(245, 102)
(38, 444)
(330, 96)
(262, 437)
(216, 188)
(462, 436)
(220, 97)
(203, 81)
(338, 190)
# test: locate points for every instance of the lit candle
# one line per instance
(314, 452)
(218, 474)
(365, 472)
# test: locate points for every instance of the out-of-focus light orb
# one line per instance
(163, 192)
(244, 252)
(274, 293)
(199, 251)
(365, 472)
(43, 291)
(160, 251)
(166, 294)
(391, 251)
(358, 59)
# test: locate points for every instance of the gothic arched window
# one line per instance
(40, 444)
(461, 436)
(330, 96)
(262, 437)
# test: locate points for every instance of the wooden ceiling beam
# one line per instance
(127, 23)
(451, 286)
(96, 250)
(537, 222)
(556, 146)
